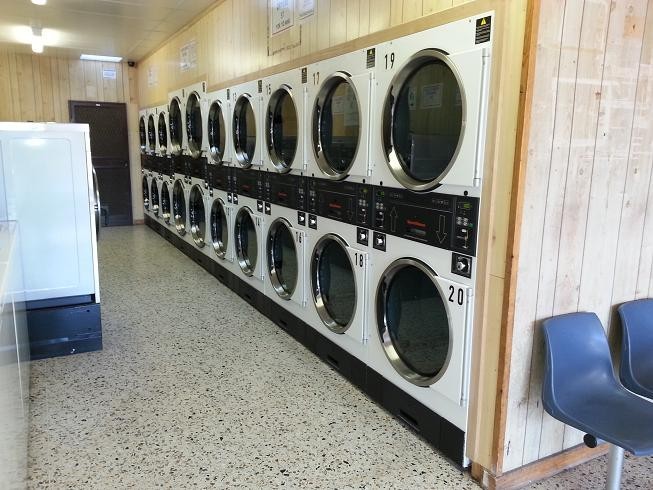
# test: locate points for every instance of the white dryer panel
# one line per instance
(354, 338)
(218, 120)
(447, 392)
(48, 188)
(351, 68)
(248, 91)
(470, 63)
(279, 91)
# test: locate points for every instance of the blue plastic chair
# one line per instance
(636, 371)
(581, 390)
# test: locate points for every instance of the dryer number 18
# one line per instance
(460, 299)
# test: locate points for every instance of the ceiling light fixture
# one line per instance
(37, 39)
(39, 2)
(96, 57)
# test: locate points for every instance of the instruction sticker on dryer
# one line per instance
(431, 96)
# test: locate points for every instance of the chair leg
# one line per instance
(615, 466)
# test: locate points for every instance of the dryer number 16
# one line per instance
(460, 296)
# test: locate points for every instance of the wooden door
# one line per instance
(110, 155)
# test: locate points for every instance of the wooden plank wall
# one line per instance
(38, 88)
(586, 239)
(232, 39)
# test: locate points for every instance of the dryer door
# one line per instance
(163, 134)
(176, 126)
(142, 134)
(146, 193)
(216, 132)
(282, 129)
(151, 135)
(194, 126)
(421, 322)
(179, 207)
(154, 197)
(244, 131)
(219, 223)
(247, 233)
(165, 202)
(285, 260)
(197, 215)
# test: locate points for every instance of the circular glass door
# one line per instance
(154, 201)
(244, 131)
(246, 241)
(216, 132)
(336, 126)
(219, 228)
(333, 283)
(179, 207)
(197, 215)
(412, 321)
(163, 134)
(282, 129)
(165, 202)
(146, 193)
(423, 120)
(151, 134)
(282, 258)
(194, 125)
(175, 125)
(142, 134)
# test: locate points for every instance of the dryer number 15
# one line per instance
(460, 296)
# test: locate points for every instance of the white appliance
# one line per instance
(142, 130)
(420, 318)
(284, 103)
(196, 117)
(197, 215)
(246, 128)
(48, 167)
(218, 127)
(286, 246)
(151, 120)
(162, 130)
(221, 238)
(339, 98)
(430, 108)
(178, 143)
(338, 270)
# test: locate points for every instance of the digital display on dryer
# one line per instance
(219, 177)
(248, 183)
(286, 190)
(348, 202)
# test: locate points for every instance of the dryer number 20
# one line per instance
(460, 297)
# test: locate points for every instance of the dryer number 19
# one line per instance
(460, 296)
(389, 60)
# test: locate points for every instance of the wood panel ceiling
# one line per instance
(127, 28)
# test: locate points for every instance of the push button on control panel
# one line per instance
(259, 206)
(301, 218)
(312, 221)
(363, 236)
(461, 265)
(379, 242)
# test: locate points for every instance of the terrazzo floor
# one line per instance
(204, 392)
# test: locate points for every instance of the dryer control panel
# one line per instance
(179, 164)
(219, 177)
(162, 164)
(248, 183)
(441, 220)
(285, 190)
(348, 202)
(196, 167)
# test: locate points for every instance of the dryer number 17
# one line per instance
(460, 296)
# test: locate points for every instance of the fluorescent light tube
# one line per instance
(95, 57)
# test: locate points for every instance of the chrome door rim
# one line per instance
(393, 160)
(382, 326)
(240, 153)
(163, 133)
(173, 129)
(195, 230)
(146, 193)
(154, 197)
(244, 262)
(318, 299)
(151, 135)
(194, 148)
(325, 90)
(142, 134)
(219, 246)
(165, 213)
(274, 273)
(276, 160)
(215, 152)
(179, 220)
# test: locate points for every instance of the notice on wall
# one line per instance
(152, 76)
(281, 15)
(109, 73)
(432, 96)
(188, 56)
(305, 8)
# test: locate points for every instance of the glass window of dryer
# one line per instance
(412, 321)
(197, 215)
(163, 133)
(333, 283)
(175, 125)
(179, 207)
(244, 131)
(194, 125)
(142, 134)
(154, 192)
(282, 129)
(282, 258)
(146, 194)
(165, 202)
(151, 134)
(246, 241)
(336, 125)
(216, 132)
(423, 120)
(219, 228)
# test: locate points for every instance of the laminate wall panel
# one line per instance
(586, 233)
(38, 88)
